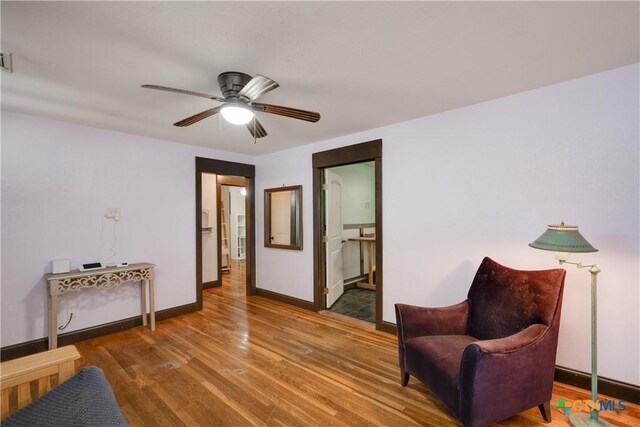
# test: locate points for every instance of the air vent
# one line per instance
(5, 62)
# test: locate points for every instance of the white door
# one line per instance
(281, 217)
(333, 215)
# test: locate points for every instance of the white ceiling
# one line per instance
(362, 65)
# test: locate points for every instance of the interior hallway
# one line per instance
(234, 280)
(254, 361)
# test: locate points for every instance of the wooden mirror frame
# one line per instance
(267, 217)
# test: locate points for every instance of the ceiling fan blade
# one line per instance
(186, 92)
(197, 117)
(256, 129)
(257, 86)
(309, 116)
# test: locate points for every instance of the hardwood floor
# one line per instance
(253, 361)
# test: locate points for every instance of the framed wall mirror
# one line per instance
(283, 217)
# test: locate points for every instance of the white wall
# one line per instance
(358, 193)
(285, 271)
(57, 181)
(485, 180)
(209, 239)
(238, 201)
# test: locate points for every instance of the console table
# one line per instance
(62, 283)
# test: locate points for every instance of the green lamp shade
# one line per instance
(562, 238)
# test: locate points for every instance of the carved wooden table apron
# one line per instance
(59, 284)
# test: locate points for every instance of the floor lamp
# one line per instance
(564, 239)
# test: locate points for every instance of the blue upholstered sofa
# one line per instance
(83, 399)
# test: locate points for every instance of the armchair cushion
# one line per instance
(435, 361)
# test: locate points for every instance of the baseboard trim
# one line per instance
(354, 280)
(296, 302)
(349, 286)
(179, 310)
(41, 344)
(606, 386)
(212, 284)
(388, 327)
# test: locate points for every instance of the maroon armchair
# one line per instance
(493, 355)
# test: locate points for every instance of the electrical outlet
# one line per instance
(72, 312)
(113, 213)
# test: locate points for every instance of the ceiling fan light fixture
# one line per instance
(238, 114)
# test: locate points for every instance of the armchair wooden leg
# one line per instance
(404, 377)
(545, 410)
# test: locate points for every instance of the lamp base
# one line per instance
(581, 419)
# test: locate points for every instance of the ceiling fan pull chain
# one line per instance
(254, 129)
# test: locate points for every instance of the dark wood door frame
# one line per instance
(221, 167)
(358, 153)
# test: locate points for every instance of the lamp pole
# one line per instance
(578, 419)
(594, 270)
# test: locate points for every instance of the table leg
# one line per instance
(143, 301)
(371, 248)
(152, 308)
(369, 284)
(53, 321)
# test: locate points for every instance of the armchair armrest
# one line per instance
(16, 375)
(413, 321)
(512, 343)
(516, 370)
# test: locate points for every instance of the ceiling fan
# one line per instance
(239, 92)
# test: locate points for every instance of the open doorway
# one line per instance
(349, 218)
(336, 243)
(211, 258)
(232, 239)
(210, 232)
